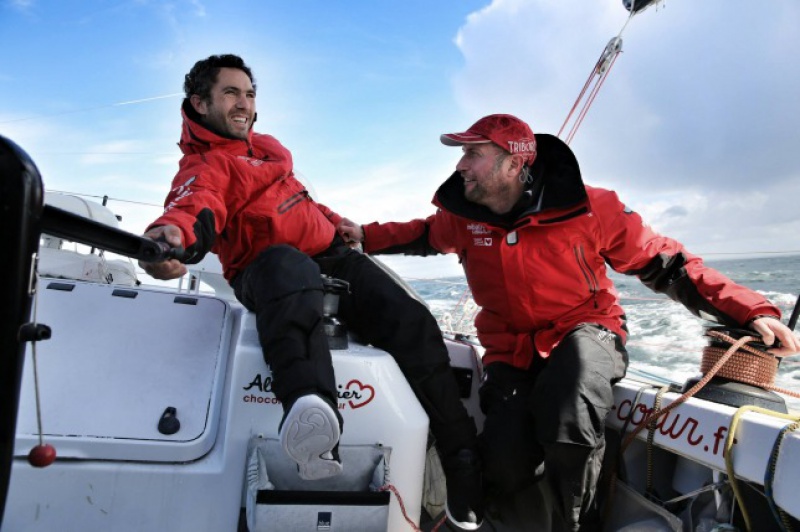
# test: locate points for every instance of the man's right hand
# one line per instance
(167, 269)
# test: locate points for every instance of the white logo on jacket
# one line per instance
(253, 162)
(478, 229)
(486, 241)
(181, 191)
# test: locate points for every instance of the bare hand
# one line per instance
(351, 232)
(167, 269)
(771, 329)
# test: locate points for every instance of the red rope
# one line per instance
(414, 527)
(580, 97)
(598, 83)
(590, 101)
(658, 412)
(715, 361)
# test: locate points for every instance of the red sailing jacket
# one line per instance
(539, 275)
(237, 197)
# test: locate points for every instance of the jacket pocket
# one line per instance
(586, 271)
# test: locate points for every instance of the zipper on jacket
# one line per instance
(588, 274)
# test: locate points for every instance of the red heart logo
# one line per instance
(358, 394)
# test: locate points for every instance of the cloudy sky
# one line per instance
(696, 126)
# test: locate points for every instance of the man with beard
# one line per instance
(534, 242)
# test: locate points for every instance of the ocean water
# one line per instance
(665, 338)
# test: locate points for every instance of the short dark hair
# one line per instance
(204, 73)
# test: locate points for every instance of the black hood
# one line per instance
(557, 184)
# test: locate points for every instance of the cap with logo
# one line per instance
(507, 131)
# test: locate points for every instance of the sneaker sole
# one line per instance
(459, 524)
(310, 431)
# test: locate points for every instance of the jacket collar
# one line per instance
(557, 186)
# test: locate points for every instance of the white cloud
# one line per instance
(726, 221)
(695, 126)
(391, 192)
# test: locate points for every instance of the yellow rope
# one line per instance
(729, 454)
(651, 433)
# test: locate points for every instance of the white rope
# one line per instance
(35, 293)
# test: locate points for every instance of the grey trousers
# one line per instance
(548, 422)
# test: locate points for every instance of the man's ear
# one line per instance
(199, 104)
(515, 164)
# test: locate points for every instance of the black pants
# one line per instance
(553, 415)
(283, 287)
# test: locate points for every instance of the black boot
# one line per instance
(462, 471)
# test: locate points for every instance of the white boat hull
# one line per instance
(120, 356)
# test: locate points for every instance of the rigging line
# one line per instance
(577, 101)
(116, 104)
(630, 16)
(592, 96)
(603, 68)
(596, 78)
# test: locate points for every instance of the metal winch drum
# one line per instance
(335, 330)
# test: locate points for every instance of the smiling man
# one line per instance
(235, 194)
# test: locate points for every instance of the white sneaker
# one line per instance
(310, 436)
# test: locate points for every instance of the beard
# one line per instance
(489, 188)
(217, 122)
(475, 194)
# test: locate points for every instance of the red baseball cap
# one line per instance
(507, 131)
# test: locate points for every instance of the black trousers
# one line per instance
(283, 287)
(553, 415)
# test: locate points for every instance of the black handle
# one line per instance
(169, 423)
(168, 252)
(795, 315)
(64, 224)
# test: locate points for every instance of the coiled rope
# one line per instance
(747, 364)
(758, 370)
